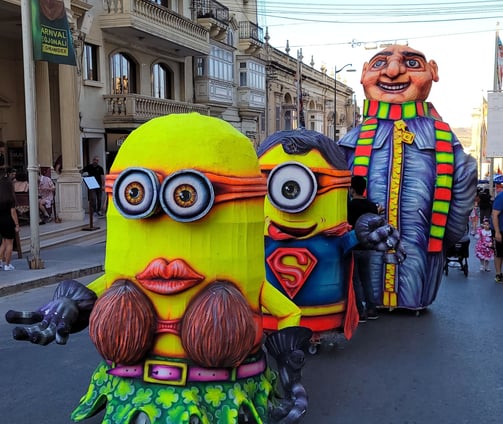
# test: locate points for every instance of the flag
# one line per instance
(498, 64)
(483, 136)
(52, 38)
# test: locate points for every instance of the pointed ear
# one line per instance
(434, 70)
(364, 70)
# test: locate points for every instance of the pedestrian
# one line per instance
(58, 164)
(9, 224)
(95, 170)
(485, 204)
(20, 185)
(475, 216)
(497, 225)
(20, 182)
(46, 190)
(357, 206)
(484, 249)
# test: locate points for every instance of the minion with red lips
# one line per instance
(177, 315)
(307, 238)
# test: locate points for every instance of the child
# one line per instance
(474, 217)
(484, 249)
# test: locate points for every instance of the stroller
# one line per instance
(457, 256)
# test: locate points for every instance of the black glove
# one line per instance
(286, 347)
(373, 232)
(67, 312)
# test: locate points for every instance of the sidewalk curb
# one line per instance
(17, 287)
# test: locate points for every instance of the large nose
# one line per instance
(394, 68)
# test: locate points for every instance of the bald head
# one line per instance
(398, 74)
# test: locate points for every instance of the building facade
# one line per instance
(478, 144)
(318, 96)
(138, 59)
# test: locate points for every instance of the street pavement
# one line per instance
(442, 367)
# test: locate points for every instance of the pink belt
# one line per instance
(179, 373)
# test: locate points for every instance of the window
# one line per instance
(161, 81)
(252, 75)
(174, 5)
(164, 3)
(242, 75)
(277, 118)
(200, 66)
(230, 38)
(288, 120)
(90, 67)
(123, 74)
(221, 64)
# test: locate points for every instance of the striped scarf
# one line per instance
(373, 111)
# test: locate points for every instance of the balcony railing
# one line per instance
(251, 38)
(135, 108)
(212, 9)
(249, 30)
(151, 18)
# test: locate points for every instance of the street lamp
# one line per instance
(336, 71)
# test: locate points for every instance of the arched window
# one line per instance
(162, 78)
(123, 74)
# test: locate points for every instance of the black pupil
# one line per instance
(290, 189)
(134, 192)
(185, 195)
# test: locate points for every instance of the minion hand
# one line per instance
(286, 347)
(68, 312)
(373, 232)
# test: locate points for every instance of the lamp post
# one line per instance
(336, 71)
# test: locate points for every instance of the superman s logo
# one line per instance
(291, 266)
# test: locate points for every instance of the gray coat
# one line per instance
(418, 278)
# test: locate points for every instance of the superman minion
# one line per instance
(307, 237)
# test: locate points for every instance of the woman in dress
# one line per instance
(9, 223)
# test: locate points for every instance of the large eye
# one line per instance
(187, 195)
(379, 63)
(413, 63)
(135, 193)
(291, 187)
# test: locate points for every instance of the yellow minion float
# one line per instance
(178, 312)
(307, 237)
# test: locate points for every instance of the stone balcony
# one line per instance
(131, 110)
(251, 37)
(213, 16)
(156, 25)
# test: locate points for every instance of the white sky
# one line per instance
(462, 48)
